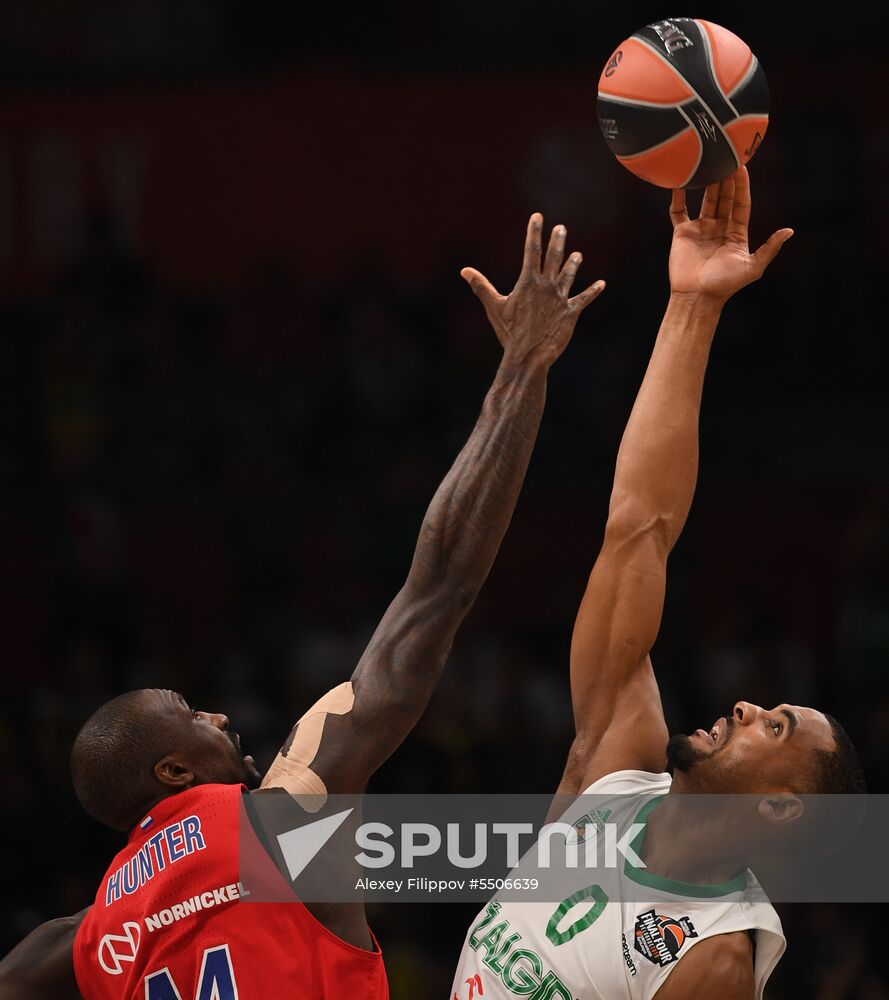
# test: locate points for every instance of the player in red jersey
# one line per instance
(166, 924)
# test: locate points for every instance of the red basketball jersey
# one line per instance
(171, 921)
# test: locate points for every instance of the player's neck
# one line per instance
(696, 839)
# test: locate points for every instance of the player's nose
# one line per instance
(745, 713)
(215, 719)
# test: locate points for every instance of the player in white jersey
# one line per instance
(692, 922)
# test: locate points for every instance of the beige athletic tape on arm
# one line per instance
(293, 771)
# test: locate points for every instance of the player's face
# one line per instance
(210, 749)
(754, 749)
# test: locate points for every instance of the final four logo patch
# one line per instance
(659, 938)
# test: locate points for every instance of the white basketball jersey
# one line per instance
(605, 942)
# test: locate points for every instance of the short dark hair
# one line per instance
(113, 758)
(839, 771)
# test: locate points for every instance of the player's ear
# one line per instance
(171, 772)
(781, 808)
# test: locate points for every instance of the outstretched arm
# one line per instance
(42, 965)
(617, 711)
(345, 737)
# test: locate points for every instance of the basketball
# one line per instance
(683, 103)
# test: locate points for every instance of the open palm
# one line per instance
(711, 255)
(539, 314)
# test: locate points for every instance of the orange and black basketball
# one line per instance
(683, 103)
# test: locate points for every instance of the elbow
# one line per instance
(463, 595)
(630, 521)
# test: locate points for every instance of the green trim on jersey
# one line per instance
(643, 877)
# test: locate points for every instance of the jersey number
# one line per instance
(594, 892)
(216, 981)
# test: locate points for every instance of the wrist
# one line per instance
(523, 366)
(696, 304)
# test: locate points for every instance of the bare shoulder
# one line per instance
(718, 968)
(43, 963)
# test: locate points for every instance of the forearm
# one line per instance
(657, 463)
(458, 541)
(471, 510)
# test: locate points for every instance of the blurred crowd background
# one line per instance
(237, 358)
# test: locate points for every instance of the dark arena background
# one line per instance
(237, 358)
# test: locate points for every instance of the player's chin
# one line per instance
(683, 752)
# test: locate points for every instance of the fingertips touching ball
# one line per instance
(683, 103)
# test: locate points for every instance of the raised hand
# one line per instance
(710, 256)
(536, 320)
